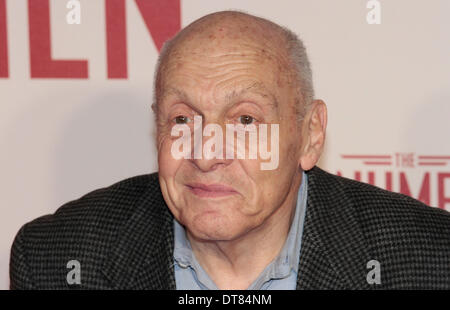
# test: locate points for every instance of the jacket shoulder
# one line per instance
(394, 208)
(113, 203)
(383, 208)
(82, 229)
(410, 239)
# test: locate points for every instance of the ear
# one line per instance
(313, 132)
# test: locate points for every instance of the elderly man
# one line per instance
(225, 221)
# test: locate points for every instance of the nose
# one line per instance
(206, 165)
(209, 151)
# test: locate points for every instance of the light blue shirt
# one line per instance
(280, 274)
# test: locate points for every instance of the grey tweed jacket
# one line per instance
(122, 235)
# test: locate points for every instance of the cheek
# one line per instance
(168, 169)
(290, 142)
(262, 188)
(167, 164)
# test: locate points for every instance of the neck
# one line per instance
(236, 263)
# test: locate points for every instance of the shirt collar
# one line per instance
(289, 257)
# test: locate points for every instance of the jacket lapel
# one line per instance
(141, 257)
(334, 253)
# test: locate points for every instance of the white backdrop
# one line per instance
(387, 87)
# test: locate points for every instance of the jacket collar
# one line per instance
(142, 256)
(332, 237)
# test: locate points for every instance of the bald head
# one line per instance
(231, 27)
(233, 32)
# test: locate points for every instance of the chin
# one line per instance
(214, 227)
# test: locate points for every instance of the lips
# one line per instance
(212, 190)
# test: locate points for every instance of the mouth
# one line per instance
(211, 191)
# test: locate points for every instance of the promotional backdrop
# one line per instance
(76, 88)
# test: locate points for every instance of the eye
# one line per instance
(181, 119)
(246, 119)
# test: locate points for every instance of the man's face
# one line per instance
(226, 81)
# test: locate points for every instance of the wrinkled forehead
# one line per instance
(205, 45)
(215, 36)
